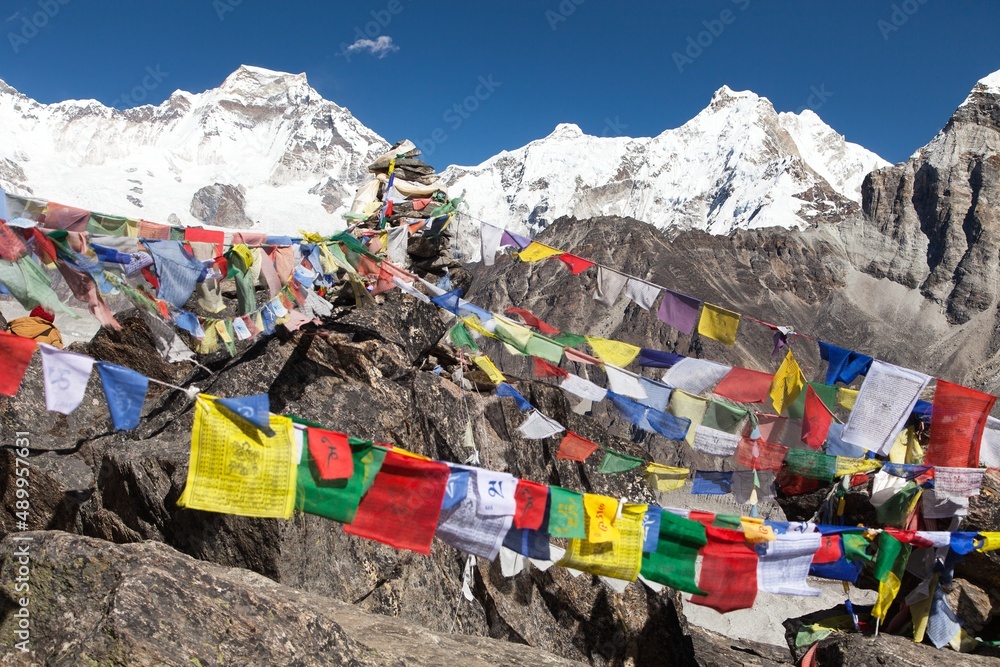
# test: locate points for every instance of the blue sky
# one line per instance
(886, 74)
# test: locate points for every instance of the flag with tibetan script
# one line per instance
(673, 562)
(125, 392)
(255, 409)
(619, 557)
(538, 426)
(666, 478)
(759, 454)
(958, 419)
(576, 265)
(601, 511)
(575, 447)
(617, 462)
(238, 469)
(843, 365)
(331, 453)
(462, 526)
(719, 324)
(613, 352)
(566, 513)
(745, 386)
(66, 376)
(883, 406)
(538, 251)
(338, 499)
(532, 504)
(783, 564)
(402, 506)
(728, 571)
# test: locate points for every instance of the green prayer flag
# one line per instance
(461, 337)
(895, 511)
(544, 348)
(891, 556)
(723, 417)
(827, 393)
(338, 499)
(616, 462)
(672, 564)
(569, 339)
(112, 225)
(855, 546)
(30, 285)
(566, 514)
(728, 521)
(353, 245)
(814, 465)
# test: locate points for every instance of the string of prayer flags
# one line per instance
(402, 507)
(666, 478)
(486, 365)
(331, 453)
(585, 389)
(576, 265)
(66, 375)
(448, 301)
(537, 251)
(712, 483)
(531, 508)
(463, 526)
(617, 462)
(504, 389)
(544, 369)
(658, 359)
(237, 469)
(816, 421)
(843, 365)
(613, 352)
(885, 401)
(16, 352)
(695, 376)
(642, 293)
(610, 285)
(783, 564)
(890, 563)
(489, 242)
(460, 337)
(125, 392)
(533, 321)
(759, 454)
(509, 238)
(336, 499)
(788, 383)
(566, 514)
(575, 447)
(678, 311)
(958, 419)
(538, 427)
(745, 386)
(728, 571)
(619, 557)
(673, 562)
(719, 324)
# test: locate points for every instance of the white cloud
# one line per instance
(379, 48)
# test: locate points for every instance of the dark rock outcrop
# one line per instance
(222, 205)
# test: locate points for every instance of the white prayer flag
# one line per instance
(398, 239)
(496, 493)
(624, 383)
(783, 564)
(883, 405)
(644, 294)
(66, 375)
(537, 426)
(489, 241)
(695, 376)
(715, 442)
(585, 389)
(609, 286)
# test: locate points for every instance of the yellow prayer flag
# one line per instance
(849, 466)
(236, 468)
(755, 531)
(666, 478)
(613, 352)
(920, 613)
(620, 558)
(846, 398)
(719, 324)
(537, 251)
(210, 342)
(486, 365)
(788, 383)
(473, 323)
(991, 541)
(601, 511)
(412, 455)
(688, 406)
(887, 591)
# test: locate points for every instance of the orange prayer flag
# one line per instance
(576, 447)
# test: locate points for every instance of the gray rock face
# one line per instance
(221, 205)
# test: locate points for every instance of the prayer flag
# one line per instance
(544, 348)
(728, 571)
(624, 383)
(642, 293)
(580, 357)
(255, 409)
(814, 465)
(601, 512)
(826, 393)
(668, 425)
(486, 366)
(125, 392)
(449, 300)
(610, 285)
(509, 238)
(575, 447)
(338, 499)
(759, 454)
(532, 503)
(817, 420)
(17, 353)
(619, 557)
(745, 386)
(884, 403)
(402, 506)
(958, 420)
(843, 365)
(537, 251)
(504, 389)
(331, 453)
(538, 427)
(461, 337)
(847, 397)
(695, 376)
(666, 478)
(66, 375)
(489, 242)
(613, 351)
(463, 526)
(566, 514)
(788, 383)
(585, 389)
(496, 493)
(576, 265)
(712, 483)
(673, 562)
(177, 270)
(533, 321)
(236, 468)
(544, 369)
(783, 564)
(617, 462)
(658, 359)
(719, 324)
(890, 563)
(678, 311)
(691, 408)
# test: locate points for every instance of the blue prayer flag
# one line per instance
(456, 489)
(188, 321)
(504, 389)
(177, 271)
(657, 359)
(844, 365)
(125, 392)
(669, 426)
(527, 542)
(712, 483)
(449, 300)
(254, 409)
(651, 529)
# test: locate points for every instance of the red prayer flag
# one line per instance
(533, 321)
(795, 485)
(760, 454)
(60, 216)
(43, 246)
(581, 357)
(11, 245)
(403, 505)
(728, 571)
(367, 267)
(958, 417)
(745, 386)
(576, 265)
(704, 518)
(331, 452)
(531, 498)
(199, 235)
(830, 550)
(544, 369)
(153, 230)
(575, 447)
(16, 353)
(816, 420)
